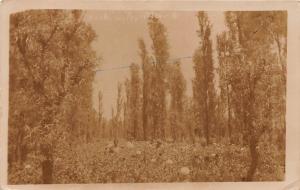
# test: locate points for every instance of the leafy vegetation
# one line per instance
(101, 162)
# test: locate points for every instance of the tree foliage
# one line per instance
(253, 74)
(203, 84)
(51, 73)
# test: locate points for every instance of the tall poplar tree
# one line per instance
(224, 48)
(160, 47)
(203, 83)
(135, 100)
(146, 68)
(100, 114)
(177, 88)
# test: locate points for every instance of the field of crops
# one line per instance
(130, 162)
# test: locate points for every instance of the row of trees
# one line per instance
(155, 97)
(144, 99)
(236, 98)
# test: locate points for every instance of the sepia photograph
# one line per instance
(121, 96)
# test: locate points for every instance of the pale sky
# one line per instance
(117, 44)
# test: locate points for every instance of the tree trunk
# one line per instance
(145, 121)
(47, 164)
(206, 128)
(154, 134)
(229, 116)
(135, 125)
(145, 105)
(254, 159)
(19, 145)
